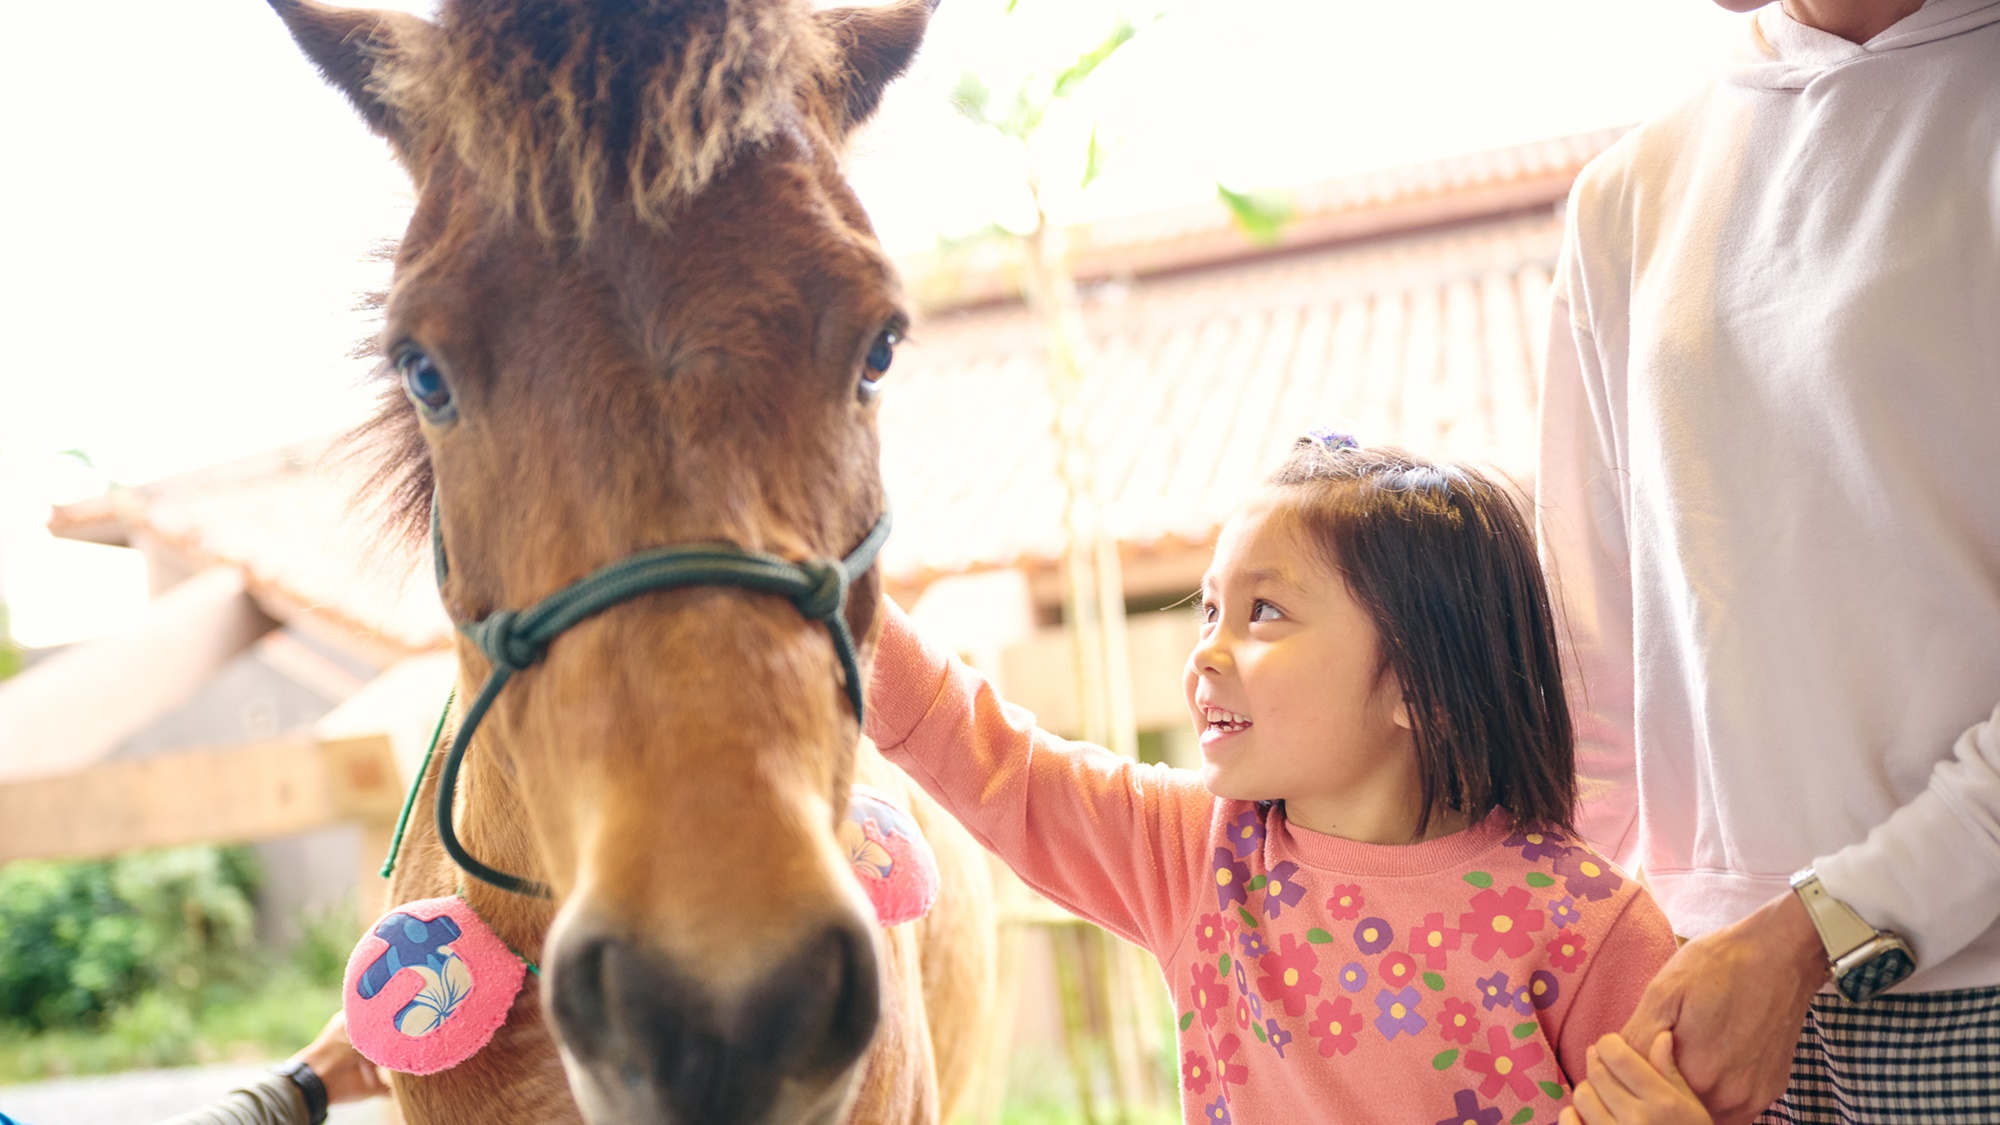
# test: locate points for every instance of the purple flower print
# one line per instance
(1373, 935)
(1353, 977)
(1538, 845)
(1523, 998)
(1230, 876)
(1242, 978)
(1468, 1111)
(1586, 876)
(1543, 988)
(1253, 943)
(1246, 833)
(1564, 913)
(1216, 1112)
(1283, 890)
(1496, 992)
(1399, 1013)
(1278, 1036)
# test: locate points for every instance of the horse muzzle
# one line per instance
(647, 1039)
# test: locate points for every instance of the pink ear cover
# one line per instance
(428, 986)
(890, 857)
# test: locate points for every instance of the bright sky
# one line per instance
(193, 210)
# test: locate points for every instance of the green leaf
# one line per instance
(1187, 1020)
(1261, 215)
(1523, 1030)
(1257, 883)
(1317, 936)
(971, 98)
(1259, 1029)
(1074, 74)
(1444, 1059)
(1552, 1089)
(1223, 964)
(1479, 879)
(1435, 980)
(1093, 159)
(1526, 1115)
(1537, 879)
(1248, 919)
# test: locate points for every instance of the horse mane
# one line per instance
(553, 103)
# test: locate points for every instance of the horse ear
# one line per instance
(873, 46)
(347, 44)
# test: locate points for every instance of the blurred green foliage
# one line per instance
(10, 653)
(152, 959)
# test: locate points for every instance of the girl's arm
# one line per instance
(1634, 947)
(1105, 837)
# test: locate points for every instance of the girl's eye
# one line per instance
(1208, 612)
(880, 355)
(426, 385)
(1265, 611)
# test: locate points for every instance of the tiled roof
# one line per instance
(1202, 367)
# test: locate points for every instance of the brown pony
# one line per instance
(638, 307)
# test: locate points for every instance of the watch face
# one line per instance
(1878, 973)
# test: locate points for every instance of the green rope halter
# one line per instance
(515, 640)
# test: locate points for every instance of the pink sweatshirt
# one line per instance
(1316, 979)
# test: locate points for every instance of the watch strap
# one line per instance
(1841, 930)
(309, 1085)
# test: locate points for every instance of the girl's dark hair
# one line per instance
(1441, 559)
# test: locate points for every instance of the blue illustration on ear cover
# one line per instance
(418, 945)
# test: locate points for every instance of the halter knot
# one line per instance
(828, 595)
(504, 645)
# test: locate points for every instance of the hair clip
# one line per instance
(1332, 440)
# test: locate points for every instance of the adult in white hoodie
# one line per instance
(1770, 493)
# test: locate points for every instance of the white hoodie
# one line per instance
(1770, 484)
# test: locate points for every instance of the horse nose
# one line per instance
(657, 1033)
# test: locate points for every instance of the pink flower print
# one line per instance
(1564, 912)
(1538, 845)
(1210, 933)
(1505, 1068)
(1466, 1110)
(1373, 935)
(1353, 977)
(1245, 833)
(1566, 951)
(1288, 977)
(1276, 1036)
(1216, 1112)
(1432, 939)
(1211, 994)
(1345, 902)
(1335, 1025)
(1397, 969)
(1243, 1013)
(1195, 1073)
(1586, 876)
(1459, 1022)
(1543, 989)
(1226, 1072)
(1230, 876)
(1500, 922)
(1399, 1013)
(1495, 991)
(1253, 943)
(1283, 890)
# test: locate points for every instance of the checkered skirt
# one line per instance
(1921, 1057)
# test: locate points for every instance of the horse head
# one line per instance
(637, 307)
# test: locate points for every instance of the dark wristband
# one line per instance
(309, 1084)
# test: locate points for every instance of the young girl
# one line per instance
(1368, 904)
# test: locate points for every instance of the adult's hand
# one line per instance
(346, 1073)
(1735, 1000)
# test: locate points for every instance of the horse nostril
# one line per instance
(820, 1009)
(581, 1006)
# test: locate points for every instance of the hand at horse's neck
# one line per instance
(494, 826)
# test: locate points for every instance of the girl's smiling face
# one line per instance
(1288, 690)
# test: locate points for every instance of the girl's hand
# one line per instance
(1623, 1089)
(347, 1075)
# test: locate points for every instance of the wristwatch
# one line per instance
(309, 1085)
(1866, 961)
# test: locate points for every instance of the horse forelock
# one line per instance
(556, 105)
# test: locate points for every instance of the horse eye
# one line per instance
(880, 355)
(425, 385)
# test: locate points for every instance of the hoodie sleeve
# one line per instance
(1580, 523)
(1107, 838)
